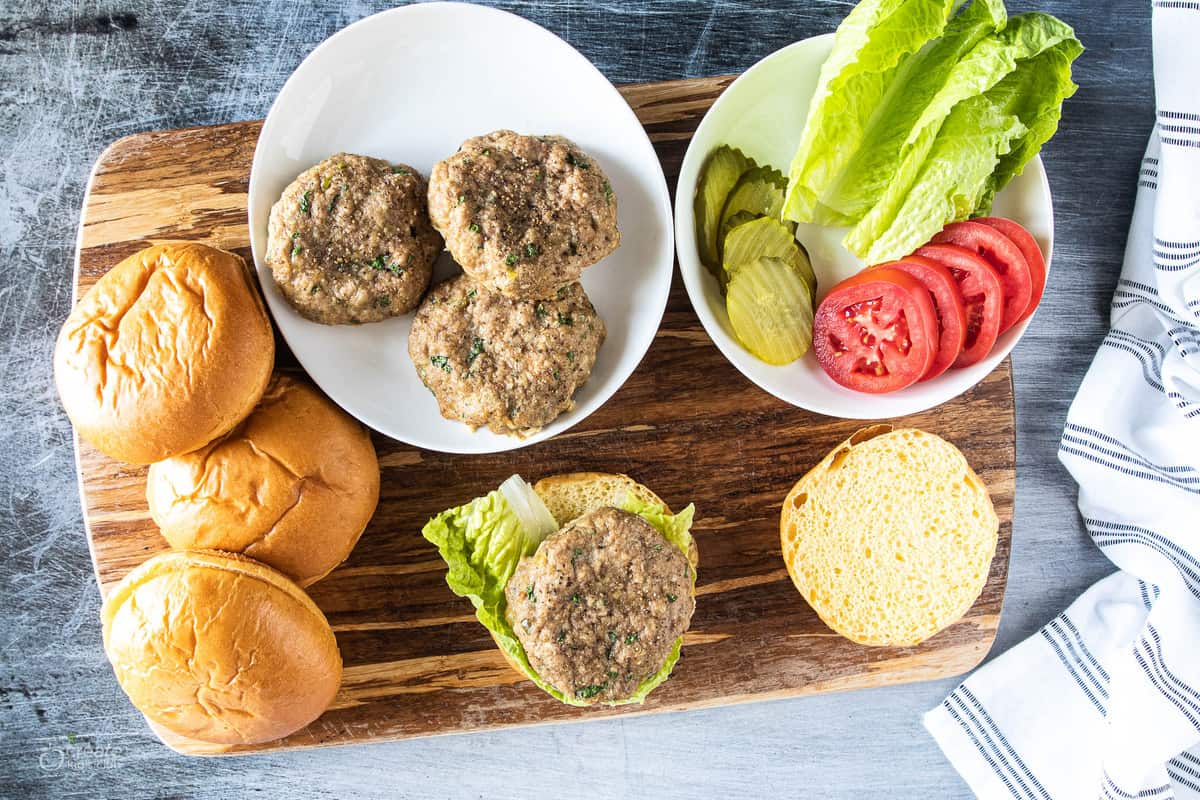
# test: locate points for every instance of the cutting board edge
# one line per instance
(974, 656)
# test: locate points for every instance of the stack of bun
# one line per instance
(259, 483)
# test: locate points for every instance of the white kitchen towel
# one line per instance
(1104, 702)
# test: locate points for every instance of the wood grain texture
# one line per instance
(686, 423)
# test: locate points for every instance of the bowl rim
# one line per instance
(655, 186)
(694, 274)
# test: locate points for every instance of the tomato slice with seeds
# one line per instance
(999, 251)
(982, 295)
(947, 304)
(877, 331)
(1028, 246)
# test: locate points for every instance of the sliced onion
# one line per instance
(536, 519)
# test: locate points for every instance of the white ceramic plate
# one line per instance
(763, 113)
(410, 85)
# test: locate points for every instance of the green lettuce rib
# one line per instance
(951, 170)
(869, 49)
(482, 542)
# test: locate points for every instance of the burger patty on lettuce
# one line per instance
(593, 612)
(600, 605)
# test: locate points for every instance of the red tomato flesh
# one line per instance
(877, 331)
(982, 295)
(1028, 246)
(999, 251)
(947, 303)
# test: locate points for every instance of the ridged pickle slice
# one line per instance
(769, 238)
(770, 310)
(759, 191)
(727, 226)
(720, 174)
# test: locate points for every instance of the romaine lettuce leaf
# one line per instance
(482, 542)
(869, 49)
(1036, 96)
(948, 172)
(948, 184)
(933, 81)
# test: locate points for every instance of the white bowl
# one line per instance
(763, 113)
(410, 85)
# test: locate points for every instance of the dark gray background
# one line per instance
(75, 76)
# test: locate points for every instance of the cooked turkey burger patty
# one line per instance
(512, 365)
(600, 604)
(350, 240)
(523, 214)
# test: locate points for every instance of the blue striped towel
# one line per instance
(1104, 702)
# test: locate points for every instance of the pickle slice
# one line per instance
(720, 174)
(759, 191)
(770, 310)
(768, 237)
(740, 218)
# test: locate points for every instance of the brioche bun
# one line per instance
(166, 352)
(890, 537)
(293, 486)
(219, 648)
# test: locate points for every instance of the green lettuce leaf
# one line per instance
(675, 528)
(482, 542)
(1036, 96)
(951, 170)
(949, 183)
(867, 58)
(933, 81)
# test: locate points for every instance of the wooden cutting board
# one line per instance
(687, 424)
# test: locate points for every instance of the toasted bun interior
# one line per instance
(166, 352)
(890, 537)
(293, 486)
(574, 494)
(219, 648)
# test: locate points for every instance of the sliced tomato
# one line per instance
(877, 331)
(982, 295)
(1004, 256)
(947, 303)
(1028, 246)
